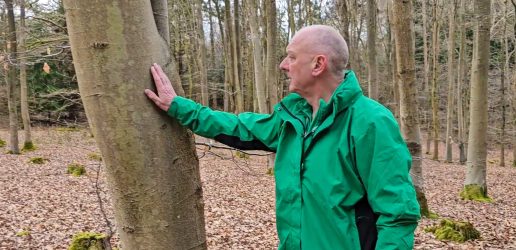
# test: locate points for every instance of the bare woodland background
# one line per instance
(225, 54)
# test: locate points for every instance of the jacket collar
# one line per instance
(345, 95)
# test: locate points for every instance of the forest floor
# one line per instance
(45, 206)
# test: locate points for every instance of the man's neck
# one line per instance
(322, 89)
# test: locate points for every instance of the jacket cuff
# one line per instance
(174, 106)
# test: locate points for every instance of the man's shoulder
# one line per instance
(370, 109)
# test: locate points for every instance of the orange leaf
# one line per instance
(46, 68)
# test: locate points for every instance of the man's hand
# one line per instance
(166, 92)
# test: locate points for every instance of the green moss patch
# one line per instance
(433, 215)
(87, 241)
(2, 143)
(23, 233)
(76, 169)
(28, 146)
(241, 155)
(38, 160)
(475, 193)
(94, 157)
(458, 231)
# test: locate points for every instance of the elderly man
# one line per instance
(342, 167)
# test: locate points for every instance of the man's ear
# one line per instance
(319, 65)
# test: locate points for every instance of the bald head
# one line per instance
(325, 40)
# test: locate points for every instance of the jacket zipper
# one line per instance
(305, 134)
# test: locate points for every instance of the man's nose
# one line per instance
(283, 65)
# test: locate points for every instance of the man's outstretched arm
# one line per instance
(247, 131)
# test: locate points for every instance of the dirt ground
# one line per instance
(239, 198)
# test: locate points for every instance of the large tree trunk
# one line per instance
(475, 186)
(151, 164)
(435, 74)
(27, 145)
(403, 28)
(371, 50)
(460, 82)
(11, 79)
(451, 81)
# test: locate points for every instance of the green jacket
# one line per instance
(325, 165)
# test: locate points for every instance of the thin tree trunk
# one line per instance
(451, 82)
(230, 81)
(353, 46)
(162, 21)
(503, 68)
(460, 82)
(212, 36)
(513, 90)
(214, 99)
(393, 69)
(426, 63)
(435, 75)
(345, 23)
(291, 19)
(11, 79)
(27, 145)
(259, 74)
(237, 58)
(475, 184)
(201, 54)
(502, 127)
(225, 41)
(250, 94)
(403, 28)
(371, 50)
(426, 76)
(151, 163)
(271, 64)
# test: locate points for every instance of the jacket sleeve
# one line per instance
(245, 131)
(383, 162)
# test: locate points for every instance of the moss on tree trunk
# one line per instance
(475, 192)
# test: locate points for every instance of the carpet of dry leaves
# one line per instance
(52, 205)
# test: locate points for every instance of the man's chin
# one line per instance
(291, 87)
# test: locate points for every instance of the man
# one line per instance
(339, 154)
